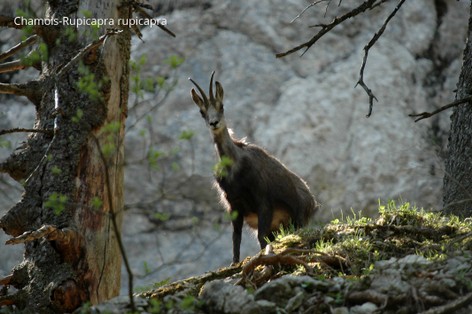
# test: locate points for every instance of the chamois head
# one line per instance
(211, 108)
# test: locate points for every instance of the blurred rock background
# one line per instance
(305, 109)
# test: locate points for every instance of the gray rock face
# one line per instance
(305, 110)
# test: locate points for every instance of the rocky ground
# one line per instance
(405, 261)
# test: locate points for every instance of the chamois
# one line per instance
(254, 186)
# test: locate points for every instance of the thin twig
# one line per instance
(153, 107)
(424, 115)
(366, 52)
(306, 8)
(86, 49)
(115, 224)
(137, 8)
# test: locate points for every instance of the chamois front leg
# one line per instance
(237, 231)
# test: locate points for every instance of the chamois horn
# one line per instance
(205, 99)
(212, 97)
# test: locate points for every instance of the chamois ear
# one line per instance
(197, 99)
(219, 92)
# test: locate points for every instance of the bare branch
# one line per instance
(16, 89)
(7, 300)
(13, 50)
(17, 130)
(424, 115)
(50, 232)
(325, 28)
(365, 87)
(67, 241)
(165, 29)
(366, 53)
(13, 89)
(19, 64)
(5, 281)
(32, 90)
(8, 21)
(12, 66)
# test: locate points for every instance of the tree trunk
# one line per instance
(73, 174)
(458, 171)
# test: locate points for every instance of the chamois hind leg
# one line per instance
(264, 231)
(237, 231)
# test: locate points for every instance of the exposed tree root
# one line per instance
(452, 306)
(192, 283)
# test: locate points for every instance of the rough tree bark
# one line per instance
(458, 170)
(72, 171)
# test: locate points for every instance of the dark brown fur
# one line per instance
(258, 187)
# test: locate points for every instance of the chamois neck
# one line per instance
(225, 145)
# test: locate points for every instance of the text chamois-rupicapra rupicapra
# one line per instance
(255, 186)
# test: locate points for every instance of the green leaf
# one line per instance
(187, 303)
(161, 216)
(86, 13)
(108, 149)
(231, 216)
(174, 61)
(5, 144)
(55, 170)
(221, 168)
(88, 83)
(78, 115)
(96, 203)
(112, 127)
(57, 202)
(161, 81)
(36, 56)
(186, 135)
(152, 156)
